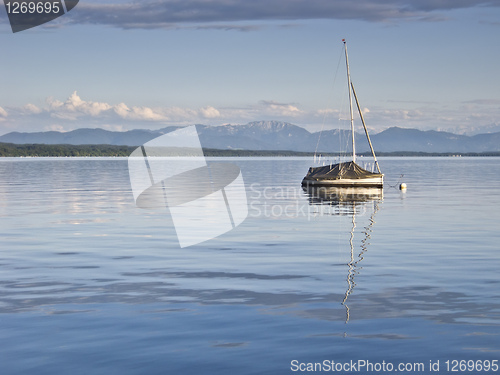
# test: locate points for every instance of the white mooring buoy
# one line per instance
(402, 186)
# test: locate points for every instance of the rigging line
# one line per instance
(364, 126)
(343, 143)
(324, 114)
(350, 103)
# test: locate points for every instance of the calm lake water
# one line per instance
(91, 284)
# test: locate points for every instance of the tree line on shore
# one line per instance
(44, 150)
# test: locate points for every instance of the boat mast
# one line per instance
(350, 103)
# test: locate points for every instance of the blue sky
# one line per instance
(149, 64)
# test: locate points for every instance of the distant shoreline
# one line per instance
(44, 150)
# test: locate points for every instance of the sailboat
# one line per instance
(347, 174)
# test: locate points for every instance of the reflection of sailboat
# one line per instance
(330, 194)
(347, 173)
(354, 263)
(351, 199)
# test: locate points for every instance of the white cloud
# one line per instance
(75, 104)
(181, 115)
(75, 108)
(165, 114)
(122, 110)
(328, 111)
(280, 109)
(31, 108)
(54, 103)
(209, 112)
(115, 128)
(145, 113)
(55, 128)
(138, 113)
(72, 109)
(77, 112)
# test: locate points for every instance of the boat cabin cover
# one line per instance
(342, 171)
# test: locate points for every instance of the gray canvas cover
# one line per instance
(347, 170)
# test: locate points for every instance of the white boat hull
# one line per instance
(377, 181)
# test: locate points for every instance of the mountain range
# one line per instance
(276, 135)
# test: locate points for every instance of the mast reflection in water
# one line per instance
(350, 201)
